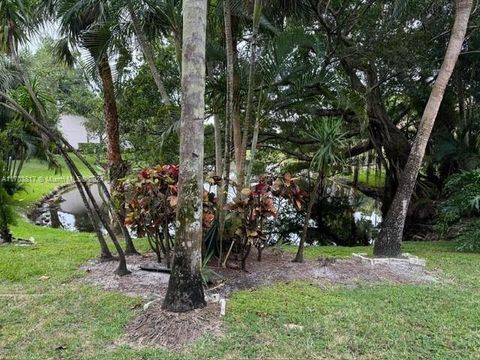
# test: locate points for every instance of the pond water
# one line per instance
(67, 211)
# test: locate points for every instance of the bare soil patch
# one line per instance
(155, 327)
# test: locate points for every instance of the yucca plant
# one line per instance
(331, 140)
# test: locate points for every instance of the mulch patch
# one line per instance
(156, 327)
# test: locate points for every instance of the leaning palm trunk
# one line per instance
(257, 12)
(185, 288)
(389, 240)
(61, 144)
(308, 215)
(122, 266)
(105, 253)
(148, 55)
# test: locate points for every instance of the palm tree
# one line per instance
(90, 24)
(146, 49)
(15, 19)
(389, 240)
(331, 139)
(185, 288)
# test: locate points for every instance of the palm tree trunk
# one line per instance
(308, 215)
(229, 108)
(253, 149)
(116, 166)
(5, 234)
(218, 146)
(257, 12)
(185, 288)
(148, 55)
(389, 241)
(231, 27)
(104, 250)
(122, 265)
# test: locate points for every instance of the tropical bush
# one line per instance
(150, 200)
(257, 205)
(469, 239)
(461, 206)
(463, 199)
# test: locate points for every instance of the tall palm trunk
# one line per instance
(253, 148)
(389, 240)
(148, 54)
(185, 288)
(232, 59)
(117, 168)
(229, 109)
(257, 12)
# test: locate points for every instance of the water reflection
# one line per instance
(68, 211)
(343, 215)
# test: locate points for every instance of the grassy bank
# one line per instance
(47, 313)
(38, 179)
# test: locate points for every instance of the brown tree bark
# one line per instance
(389, 240)
(185, 288)
(116, 168)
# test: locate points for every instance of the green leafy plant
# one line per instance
(461, 206)
(254, 206)
(150, 200)
(463, 199)
(469, 239)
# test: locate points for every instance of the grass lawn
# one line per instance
(47, 313)
(371, 178)
(38, 179)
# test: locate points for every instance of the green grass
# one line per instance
(371, 179)
(47, 313)
(38, 179)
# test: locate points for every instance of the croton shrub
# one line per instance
(256, 206)
(150, 201)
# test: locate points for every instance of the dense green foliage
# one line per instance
(462, 208)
